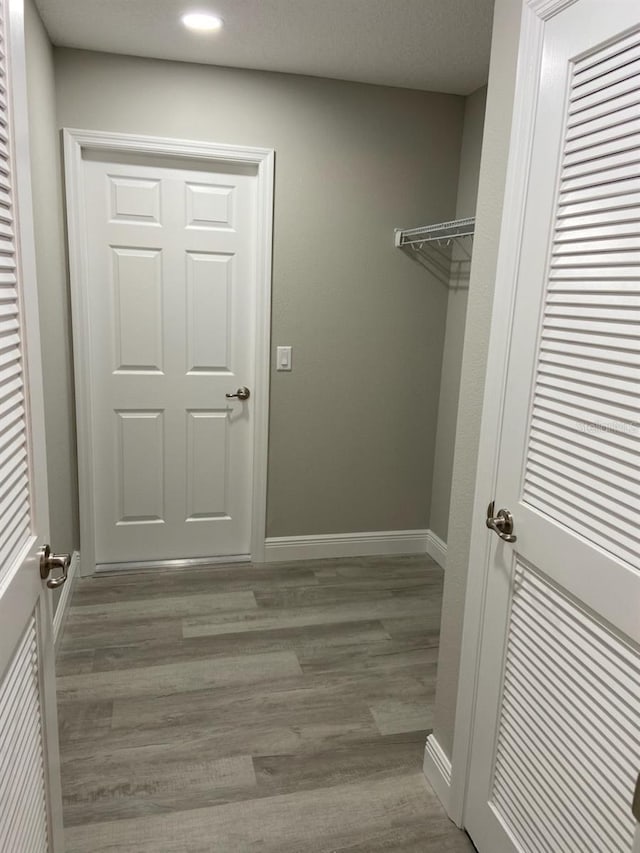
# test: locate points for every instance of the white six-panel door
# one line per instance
(556, 745)
(171, 297)
(30, 798)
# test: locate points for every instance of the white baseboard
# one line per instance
(437, 769)
(65, 597)
(437, 549)
(282, 548)
(320, 547)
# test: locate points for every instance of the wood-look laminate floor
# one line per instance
(280, 708)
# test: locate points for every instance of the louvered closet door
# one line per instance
(30, 807)
(556, 748)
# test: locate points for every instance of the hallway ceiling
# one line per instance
(436, 45)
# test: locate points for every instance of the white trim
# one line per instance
(75, 141)
(282, 548)
(62, 609)
(437, 769)
(437, 549)
(525, 102)
(546, 9)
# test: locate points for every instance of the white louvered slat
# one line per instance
(584, 404)
(572, 460)
(606, 67)
(14, 491)
(562, 445)
(609, 402)
(616, 160)
(601, 186)
(623, 205)
(599, 374)
(598, 754)
(624, 109)
(559, 786)
(605, 173)
(23, 828)
(14, 527)
(595, 219)
(618, 71)
(600, 346)
(604, 449)
(593, 64)
(584, 154)
(588, 374)
(619, 129)
(588, 357)
(567, 468)
(568, 743)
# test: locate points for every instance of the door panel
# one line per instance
(209, 279)
(556, 746)
(30, 797)
(137, 294)
(140, 473)
(22, 762)
(207, 475)
(564, 769)
(171, 295)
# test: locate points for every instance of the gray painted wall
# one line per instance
(52, 286)
(495, 149)
(353, 426)
(456, 315)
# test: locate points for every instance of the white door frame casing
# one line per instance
(75, 143)
(535, 13)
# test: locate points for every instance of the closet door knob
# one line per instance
(49, 562)
(502, 523)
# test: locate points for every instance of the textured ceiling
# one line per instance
(438, 45)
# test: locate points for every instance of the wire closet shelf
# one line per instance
(441, 233)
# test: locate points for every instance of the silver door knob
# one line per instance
(502, 523)
(49, 562)
(242, 393)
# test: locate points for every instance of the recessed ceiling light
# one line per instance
(202, 21)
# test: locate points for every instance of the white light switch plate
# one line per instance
(283, 358)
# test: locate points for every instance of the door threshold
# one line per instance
(170, 565)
